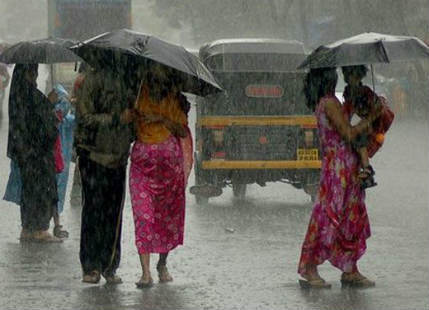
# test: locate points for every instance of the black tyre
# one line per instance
(311, 190)
(201, 200)
(239, 190)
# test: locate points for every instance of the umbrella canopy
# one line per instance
(367, 48)
(3, 45)
(145, 49)
(47, 51)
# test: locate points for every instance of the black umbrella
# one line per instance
(367, 48)
(47, 51)
(145, 49)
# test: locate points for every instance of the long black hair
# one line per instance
(360, 71)
(318, 83)
(20, 99)
(19, 83)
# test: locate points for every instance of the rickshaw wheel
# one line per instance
(311, 190)
(201, 200)
(239, 190)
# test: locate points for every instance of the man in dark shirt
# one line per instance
(103, 137)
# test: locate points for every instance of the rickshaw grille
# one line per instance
(261, 143)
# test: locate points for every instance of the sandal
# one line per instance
(93, 277)
(367, 177)
(59, 233)
(163, 274)
(314, 283)
(44, 237)
(142, 283)
(353, 280)
(112, 279)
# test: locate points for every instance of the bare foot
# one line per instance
(92, 277)
(145, 281)
(59, 232)
(163, 274)
(356, 279)
(44, 236)
(112, 279)
(25, 235)
(313, 279)
(311, 273)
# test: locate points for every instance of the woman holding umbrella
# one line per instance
(157, 176)
(157, 172)
(339, 224)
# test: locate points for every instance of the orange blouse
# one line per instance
(169, 108)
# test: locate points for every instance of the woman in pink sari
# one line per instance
(339, 224)
(157, 175)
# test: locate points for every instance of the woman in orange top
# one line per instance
(157, 180)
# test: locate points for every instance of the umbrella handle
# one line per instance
(138, 94)
(51, 67)
(373, 83)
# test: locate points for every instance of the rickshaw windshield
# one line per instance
(254, 62)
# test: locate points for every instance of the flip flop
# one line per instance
(45, 239)
(112, 279)
(144, 284)
(93, 277)
(361, 282)
(314, 284)
(59, 233)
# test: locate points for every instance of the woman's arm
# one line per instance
(175, 128)
(338, 120)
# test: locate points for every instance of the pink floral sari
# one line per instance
(157, 186)
(339, 224)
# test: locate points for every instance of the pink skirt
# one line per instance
(157, 186)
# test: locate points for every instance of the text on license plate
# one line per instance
(307, 154)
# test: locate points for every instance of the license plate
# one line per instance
(307, 154)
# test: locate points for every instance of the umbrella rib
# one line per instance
(386, 56)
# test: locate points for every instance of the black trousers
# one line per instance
(103, 195)
(39, 195)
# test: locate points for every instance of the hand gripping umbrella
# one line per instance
(146, 50)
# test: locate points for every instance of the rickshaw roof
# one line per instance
(254, 46)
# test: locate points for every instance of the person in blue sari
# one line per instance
(66, 135)
(14, 185)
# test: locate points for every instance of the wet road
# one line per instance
(242, 255)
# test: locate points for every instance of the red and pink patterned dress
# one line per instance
(339, 224)
(160, 165)
(157, 186)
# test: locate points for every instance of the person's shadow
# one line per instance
(106, 297)
(37, 265)
(345, 298)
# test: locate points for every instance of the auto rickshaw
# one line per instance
(259, 130)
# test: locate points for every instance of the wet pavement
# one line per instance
(241, 255)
